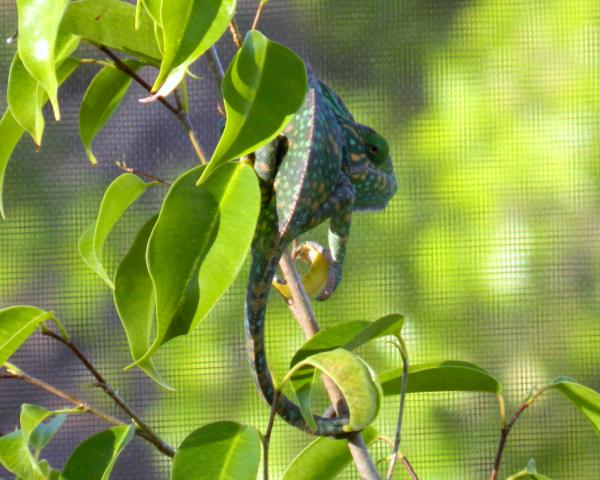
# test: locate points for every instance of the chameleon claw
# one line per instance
(317, 277)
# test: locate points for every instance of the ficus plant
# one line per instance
(188, 254)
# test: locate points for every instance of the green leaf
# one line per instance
(153, 8)
(264, 86)
(102, 97)
(39, 22)
(324, 458)
(11, 132)
(529, 473)
(44, 432)
(22, 88)
(15, 454)
(48, 471)
(17, 324)
(16, 457)
(35, 432)
(221, 450)
(190, 27)
(585, 399)
(134, 299)
(95, 457)
(349, 335)
(447, 376)
(199, 244)
(119, 195)
(353, 377)
(111, 23)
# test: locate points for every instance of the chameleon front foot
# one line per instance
(318, 277)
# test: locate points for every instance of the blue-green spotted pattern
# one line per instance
(317, 169)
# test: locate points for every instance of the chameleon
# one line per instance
(323, 166)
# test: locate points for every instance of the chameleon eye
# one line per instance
(377, 148)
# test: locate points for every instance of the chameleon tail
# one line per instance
(262, 271)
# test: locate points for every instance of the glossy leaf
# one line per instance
(529, 473)
(134, 300)
(190, 27)
(153, 8)
(11, 132)
(111, 23)
(49, 472)
(349, 335)
(119, 195)
(35, 432)
(264, 86)
(324, 458)
(353, 377)
(221, 450)
(448, 376)
(22, 88)
(39, 22)
(16, 457)
(95, 457)
(199, 245)
(17, 324)
(102, 98)
(585, 399)
(44, 432)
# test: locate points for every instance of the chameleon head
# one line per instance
(369, 167)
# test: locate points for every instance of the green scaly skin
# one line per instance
(324, 166)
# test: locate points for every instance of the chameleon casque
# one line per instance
(323, 166)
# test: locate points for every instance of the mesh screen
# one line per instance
(491, 245)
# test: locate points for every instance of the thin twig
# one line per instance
(302, 309)
(179, 113)
(148, 433)
(409, 468)
(404, 356)
(216, 67)
(402, 457)
(267, 436)
(148, 176)
(24, 377)
(235, 34)
(259, 10)
(504, 432)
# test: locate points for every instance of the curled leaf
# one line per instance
(102, 98)
(119, 195)
(352, 376)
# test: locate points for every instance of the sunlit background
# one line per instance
(491, 246)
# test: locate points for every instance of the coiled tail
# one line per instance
(262, 271)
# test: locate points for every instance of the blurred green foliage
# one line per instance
(491, 246)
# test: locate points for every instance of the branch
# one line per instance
(259, 10)
(235, 34)
(148, 176)
(503, 437)
(403, 354)
(302, 309)
(267, 436)
(141, 426)
(85, 407)
(178, 112)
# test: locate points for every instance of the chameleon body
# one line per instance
(323, 166)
